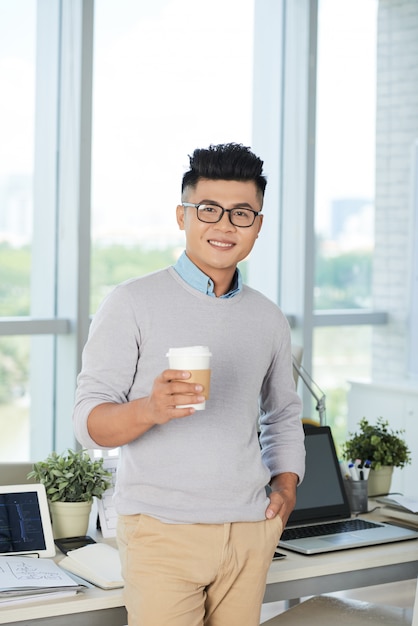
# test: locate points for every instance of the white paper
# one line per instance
(36, 597)
(408, 503)
(106, 509)
(21, 572)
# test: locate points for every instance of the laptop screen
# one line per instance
(25, 526)
(321, 495)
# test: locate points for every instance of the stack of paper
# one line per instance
(105, 507)
(400, 508)
(27, 578)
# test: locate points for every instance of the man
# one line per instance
(196, 530)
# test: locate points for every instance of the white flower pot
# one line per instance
(379, 481)
(69, 519)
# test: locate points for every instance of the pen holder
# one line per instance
(357, 494)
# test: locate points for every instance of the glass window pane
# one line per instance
(14, 398)
(17, 108)
(345, 158)
(15, 262)
(341, 354)
(169, 76)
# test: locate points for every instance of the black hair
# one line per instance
(225, 161)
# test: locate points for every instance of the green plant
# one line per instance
(74, 477)
(377, 444)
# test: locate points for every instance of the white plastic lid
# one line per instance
(189, 351)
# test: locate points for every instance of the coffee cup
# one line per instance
(196, 360)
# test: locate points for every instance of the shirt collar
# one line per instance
(198, 279)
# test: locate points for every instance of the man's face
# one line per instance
(219, 247)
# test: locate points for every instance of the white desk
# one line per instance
(298, 575)
(294, 577)
(94, 607)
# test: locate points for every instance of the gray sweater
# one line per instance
(208, 467)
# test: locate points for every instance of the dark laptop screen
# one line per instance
(321, 495)
(20, 523)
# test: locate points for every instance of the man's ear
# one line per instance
(260, 223)
(180, 216)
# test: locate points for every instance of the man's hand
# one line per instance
(282, 496)
(114, 425)
(170, 390)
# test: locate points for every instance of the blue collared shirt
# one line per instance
(198, 279)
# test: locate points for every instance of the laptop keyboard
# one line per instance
(330, 528)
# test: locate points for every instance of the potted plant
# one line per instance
(384, 448)
(71, 481)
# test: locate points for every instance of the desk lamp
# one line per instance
(313, 388)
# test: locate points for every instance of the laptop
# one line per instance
(322, 506)
(25, 524)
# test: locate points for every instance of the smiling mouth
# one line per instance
(220, 244)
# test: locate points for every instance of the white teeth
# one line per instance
(220, 244)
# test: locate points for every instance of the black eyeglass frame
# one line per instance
(229, 211)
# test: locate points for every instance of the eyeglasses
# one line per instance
(212, 213)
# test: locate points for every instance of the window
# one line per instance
(320, 243)
(17, 112)
(345, 160)
(169, 76)
(344, 195)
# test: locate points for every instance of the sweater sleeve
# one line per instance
(110, 357)
(281, 430)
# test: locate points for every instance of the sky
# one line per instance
(346, 103)
(17, 83)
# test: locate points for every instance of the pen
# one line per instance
(366, 468)
(353, 471)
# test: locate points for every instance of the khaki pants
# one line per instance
(195, 574)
